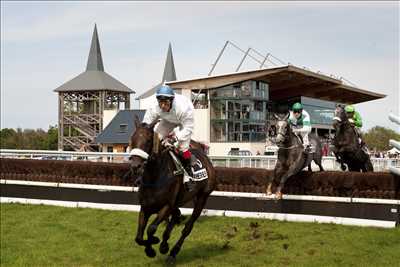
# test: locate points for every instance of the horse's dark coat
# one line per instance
(291, 157)
(346, 147)
(162, 192)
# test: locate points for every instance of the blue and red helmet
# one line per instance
(165, 92)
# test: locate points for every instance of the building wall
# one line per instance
(108, 115)
(202, 125)
(145, 103)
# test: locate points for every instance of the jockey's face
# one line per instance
(165, 105)
(297, 114)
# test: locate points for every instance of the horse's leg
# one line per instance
(175, 218)
(151, 230)
(198, 207)
(273, 178)
(318, 161)
(143, 219)
(291, 171)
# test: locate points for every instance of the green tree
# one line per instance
(52, 138)
(7, 137)
(377, 138)
(29, 138)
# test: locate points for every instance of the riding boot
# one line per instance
(188, 181)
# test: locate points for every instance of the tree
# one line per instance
(52, 138)
(29, 138)
(6, 138)
(377, 138)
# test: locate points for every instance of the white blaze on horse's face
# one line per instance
(281, 131)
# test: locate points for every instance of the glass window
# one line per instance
(200, 99)
(238, 112)
(123, 128)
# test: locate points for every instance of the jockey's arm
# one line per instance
(187, 122)
(357, 120)
(305, 128)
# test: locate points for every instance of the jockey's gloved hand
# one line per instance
(169, 141)
(351, 121)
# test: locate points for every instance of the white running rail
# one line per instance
(263, 162)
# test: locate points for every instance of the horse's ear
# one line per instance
(151, 125)
(286, 116)
(137, 121)
(276, 116)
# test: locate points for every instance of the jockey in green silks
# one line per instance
(355, 120)
(300, 121)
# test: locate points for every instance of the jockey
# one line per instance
(301, 125)
(355, 120)
(174, 111)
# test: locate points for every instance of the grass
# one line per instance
(56, 236)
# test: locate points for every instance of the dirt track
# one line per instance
(344, 184)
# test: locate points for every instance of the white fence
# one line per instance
(264, 162)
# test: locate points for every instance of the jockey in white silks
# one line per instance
(301, 124)
(173, 110)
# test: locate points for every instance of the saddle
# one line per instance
(199, 172)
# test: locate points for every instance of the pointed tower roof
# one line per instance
(169, 68)
(95, 61)
(168, 75)
(94, 78)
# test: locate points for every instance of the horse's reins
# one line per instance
(145, 156)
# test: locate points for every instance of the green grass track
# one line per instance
(34, 235)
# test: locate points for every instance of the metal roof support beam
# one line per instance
(244, 57)
(219, 56)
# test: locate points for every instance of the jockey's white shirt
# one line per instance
(301, 125)
(181, 114)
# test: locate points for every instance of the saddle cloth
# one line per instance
(199, 172)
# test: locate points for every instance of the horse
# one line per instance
(161, 189)
(346, 148)
(291, 157)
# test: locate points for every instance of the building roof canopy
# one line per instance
(287, 82)
(93, 81)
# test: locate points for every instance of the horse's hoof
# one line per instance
(164, 247)
(278, 195)
(140, 242)
(170, 260)
(150, 252)
(154, 240)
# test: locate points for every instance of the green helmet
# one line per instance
(297, 107)
(349, 109)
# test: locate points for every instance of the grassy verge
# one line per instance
(56, 236)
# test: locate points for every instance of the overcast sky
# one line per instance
(44, 44)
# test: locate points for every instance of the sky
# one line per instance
(45, 43)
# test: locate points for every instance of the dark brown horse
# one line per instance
(291, 156)
(346, 146)
(161, 189)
